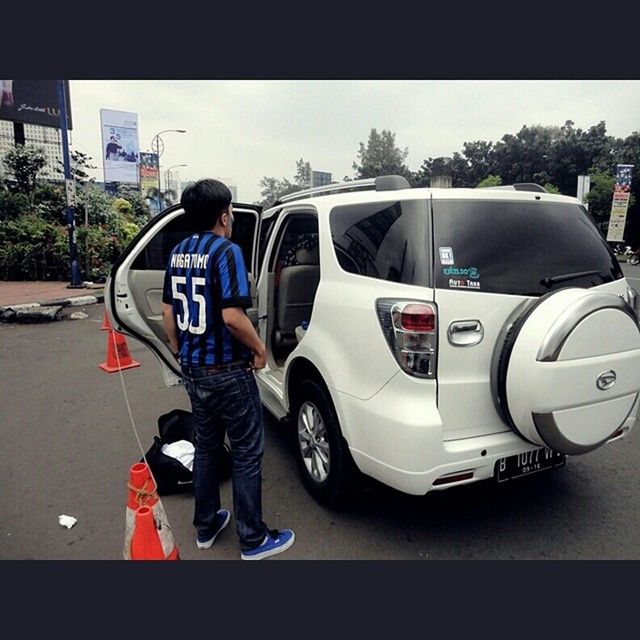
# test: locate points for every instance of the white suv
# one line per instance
(427, 338)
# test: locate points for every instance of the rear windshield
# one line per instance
(521, 248)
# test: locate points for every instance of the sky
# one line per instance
(243, 130)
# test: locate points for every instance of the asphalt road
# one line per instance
(67, 443)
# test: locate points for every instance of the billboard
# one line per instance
(620, 203)
(33, 102)
(149, 179)
(148, 173)
(120, 147)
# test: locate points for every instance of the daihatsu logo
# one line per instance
(606, 380)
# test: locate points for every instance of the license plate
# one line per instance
(524, 464)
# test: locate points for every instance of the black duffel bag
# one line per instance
(170, 474)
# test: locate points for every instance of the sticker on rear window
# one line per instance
(463, 283)
(446, 255)
(470, 272)
(463, 278)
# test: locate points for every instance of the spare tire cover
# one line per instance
(569, 373)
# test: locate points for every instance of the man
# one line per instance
(112, 149)
(206, 292)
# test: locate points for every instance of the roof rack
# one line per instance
(381, 183)
(520, 186)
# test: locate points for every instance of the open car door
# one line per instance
(133, 291)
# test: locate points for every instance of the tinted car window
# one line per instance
(522, 248)
(265, 233)
(295, 227)
(388, 241)
(156, 254)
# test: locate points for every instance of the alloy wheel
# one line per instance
(313, 442)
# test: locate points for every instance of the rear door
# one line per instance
(491, 258)
(133, 292)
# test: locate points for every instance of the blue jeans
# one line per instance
(227, 401)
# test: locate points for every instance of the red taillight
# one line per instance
(410, 328)
(418, 317)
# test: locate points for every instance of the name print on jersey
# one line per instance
(190, 260)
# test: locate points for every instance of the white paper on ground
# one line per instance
(67, 521)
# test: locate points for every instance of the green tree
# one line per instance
(79, 162)
(50, 202)
(273, 188)
(524, 157)
(97, 203)
(123, 207)
(599, 198)
(33, 249)
(24, 162)
(380, 156)
(490, 181)
(140, 209)
(474, 164)
(12, 205)
(303, 174)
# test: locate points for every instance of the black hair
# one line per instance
(204, 201)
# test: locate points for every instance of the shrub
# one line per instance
(13, 205)
(32, 249)
(50, 202)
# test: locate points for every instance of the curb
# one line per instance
(45, 311)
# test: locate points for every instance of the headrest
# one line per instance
(308, 256)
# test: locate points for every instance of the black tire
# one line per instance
(634, 259)
(332, 486)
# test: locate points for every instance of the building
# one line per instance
(38, 136)
(172, 183)
(6, 138)
(320, 178)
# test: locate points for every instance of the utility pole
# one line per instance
(76, 282)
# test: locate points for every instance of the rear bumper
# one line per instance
(396, 437)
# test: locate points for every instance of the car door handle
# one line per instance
(465, 333)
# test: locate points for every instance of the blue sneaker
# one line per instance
(274, 542)
(204, 542)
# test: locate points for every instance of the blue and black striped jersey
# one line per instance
(206, 274)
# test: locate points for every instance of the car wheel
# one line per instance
(634, 259)
(323, 457)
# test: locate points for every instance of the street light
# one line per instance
(157, 146)
(167, 173)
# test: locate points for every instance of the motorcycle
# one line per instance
(622, 250)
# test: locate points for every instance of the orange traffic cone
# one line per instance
(106, 325)
(118, 356)
(145, 544)
(142, 493)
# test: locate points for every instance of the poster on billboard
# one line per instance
(120, 147)
(33, 102)
(620, 203)
(149, 179)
